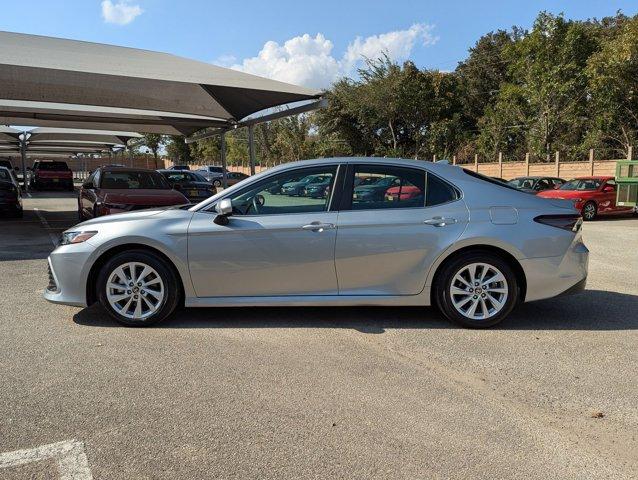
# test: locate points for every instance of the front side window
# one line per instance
(380, 187)
(303, 190)
(132, 180)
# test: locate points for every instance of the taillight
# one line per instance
(566, 222)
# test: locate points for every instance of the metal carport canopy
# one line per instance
(70, 136)
(48, 81)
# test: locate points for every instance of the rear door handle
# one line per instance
(318, 226)
(440, 221)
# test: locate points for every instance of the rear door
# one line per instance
(387, 244)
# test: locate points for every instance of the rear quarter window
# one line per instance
(439, 191)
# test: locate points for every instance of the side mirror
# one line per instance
(177, 186)
(608, 189)
(224, 210)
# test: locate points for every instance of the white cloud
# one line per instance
(309, 61)
(120, 13)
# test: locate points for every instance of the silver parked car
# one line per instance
(437, 235)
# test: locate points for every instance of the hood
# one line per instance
(148, 197)
(125, 217)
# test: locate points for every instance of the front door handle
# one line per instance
(318, 226)
(440, 221)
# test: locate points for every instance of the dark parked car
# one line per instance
(118, 190)
(318, 189)
(190, 184)
(179, 167)
(10, 196)
(536, 184)
(297, 188)
(6, 164)
(51, 175)
(375, 191)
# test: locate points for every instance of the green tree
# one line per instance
(154, 142)
(613, 78)
(178, 150)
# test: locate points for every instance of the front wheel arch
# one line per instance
(91, 281)
(505, 255)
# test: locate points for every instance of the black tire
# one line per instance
(217, 183)
(589, 211)
(443, 283)
(171, 286)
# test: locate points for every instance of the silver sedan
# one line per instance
(412, 233)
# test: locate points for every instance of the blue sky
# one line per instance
(308, 43)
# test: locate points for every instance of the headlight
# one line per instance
(75, 237)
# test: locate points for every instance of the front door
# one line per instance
(274, 244)
(393, 229)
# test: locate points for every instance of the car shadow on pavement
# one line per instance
(590, 310)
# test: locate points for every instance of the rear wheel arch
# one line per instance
(91, 281)
(491, 249)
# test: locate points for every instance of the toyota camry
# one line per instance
(471, 246)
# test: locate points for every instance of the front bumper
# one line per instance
(553, 276)
(69, 269)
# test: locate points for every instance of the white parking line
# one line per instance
(69, 456)
(47, 227)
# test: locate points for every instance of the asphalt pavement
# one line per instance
(317, 392)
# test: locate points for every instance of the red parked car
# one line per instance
(112, 190)
(593, 196)
(51, 175)
(403, 193)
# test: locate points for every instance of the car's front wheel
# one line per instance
(137, 288)
(217, 183)
(476, 290)
(589, 211)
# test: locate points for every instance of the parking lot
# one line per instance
(319, 392)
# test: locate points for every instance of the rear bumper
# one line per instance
(553, 276)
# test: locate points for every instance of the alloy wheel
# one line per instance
(479, 291)
(135, 290)
(589, 211)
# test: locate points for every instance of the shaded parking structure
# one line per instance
(53, 82)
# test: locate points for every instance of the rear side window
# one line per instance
(380, 187)
(439, 191)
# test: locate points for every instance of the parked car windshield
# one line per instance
(522, 182)
(134, 180)
(582, 184)
(53, 166)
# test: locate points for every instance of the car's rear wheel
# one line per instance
(477, 290)
(589, 211)
(217, 183)
(138, 288)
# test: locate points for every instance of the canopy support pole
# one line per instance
(251, 148)
(23, 154)
(222, 152)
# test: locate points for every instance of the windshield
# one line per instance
(522, 182)
(53, 166)
(134, 180)
(582, 184)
